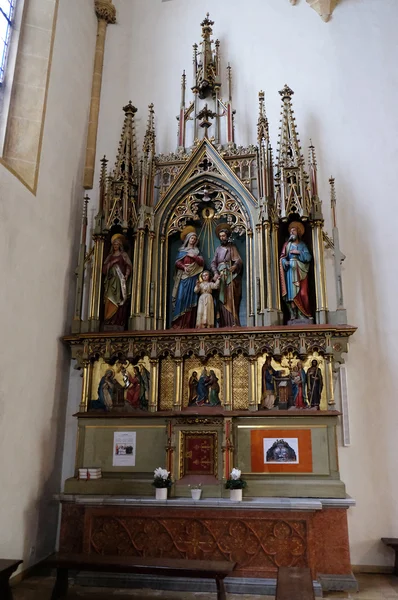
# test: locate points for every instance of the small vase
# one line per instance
(161, 493)
(196, 494)
(236, 495)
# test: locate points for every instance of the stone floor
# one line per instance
(372, 587)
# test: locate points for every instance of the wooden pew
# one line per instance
(392, 543)
(7, 568)
(294, 583)
(169, 567)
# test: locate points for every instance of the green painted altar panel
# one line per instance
(322, 452)
(96, 444)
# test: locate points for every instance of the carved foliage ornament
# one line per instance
(104, 9)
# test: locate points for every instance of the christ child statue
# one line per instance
(205, 315)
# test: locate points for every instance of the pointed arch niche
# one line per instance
(206, 194)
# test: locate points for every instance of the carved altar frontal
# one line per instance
(259, 539)
(203, 332)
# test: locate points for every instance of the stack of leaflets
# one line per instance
(93, 473)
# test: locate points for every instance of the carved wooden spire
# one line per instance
(291, 181)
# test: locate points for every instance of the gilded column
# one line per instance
(106, 13)
(134, 277)
(253, 384)
(227, 362)
(159, 283)
(140, 261)
(96, 283)
(85, 386)
(275, 255)
(268, 265)
(329, 382)
(177, 384)
(320, 274)
(261, 264)
(250, 278)
(149, 276)
(154, 384)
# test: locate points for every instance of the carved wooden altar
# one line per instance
(195, 391)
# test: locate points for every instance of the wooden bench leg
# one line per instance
(61, 585)
(221, 595)
(5, 589)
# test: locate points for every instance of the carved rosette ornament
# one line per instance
(104, 9)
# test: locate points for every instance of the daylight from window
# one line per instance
(6, 14)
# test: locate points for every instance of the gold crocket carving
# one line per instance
(104, 9)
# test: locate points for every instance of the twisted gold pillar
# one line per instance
(140, 260)
(329, 382)
(253, 403)
(275, 255)
(154, 373)
(319, 272)
(149, 275)
(227, 362)
(85, 386)
(177, 404)
(134, 277)
(95, 297)
(106, 13)
(268, 265)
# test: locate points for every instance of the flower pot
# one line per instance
(236, 495)
(161, 493)
(196, 494)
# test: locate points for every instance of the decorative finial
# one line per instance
(129, 108)
(286, 92)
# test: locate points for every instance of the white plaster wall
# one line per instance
(345, 80)
(38, 240)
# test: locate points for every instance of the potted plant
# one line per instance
(196, 491)
(235, 484)
(162, 482)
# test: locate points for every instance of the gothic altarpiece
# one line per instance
(201, 323)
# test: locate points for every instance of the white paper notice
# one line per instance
(124, 449)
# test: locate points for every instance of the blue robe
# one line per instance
(186, 298)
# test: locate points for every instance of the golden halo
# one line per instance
(221, 226)
(188, 229)
(299, 226)
(118, 236)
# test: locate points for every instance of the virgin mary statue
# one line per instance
(188, 266)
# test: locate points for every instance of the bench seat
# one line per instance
(168, 567)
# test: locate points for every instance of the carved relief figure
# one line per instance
(106, 388)
(188, 266)
(144, 387)
(205, 316)
(298, 385)
(315, 385)
(117, 289)
(294, 265)
(268, 375)
(227, 267)
(133, 387)
(193, 388)
(203, 390)
(214, 389)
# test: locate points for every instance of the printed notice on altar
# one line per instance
(124, 448)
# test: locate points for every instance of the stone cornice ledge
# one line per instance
(293, 504)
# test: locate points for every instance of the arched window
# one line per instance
(6, 23)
